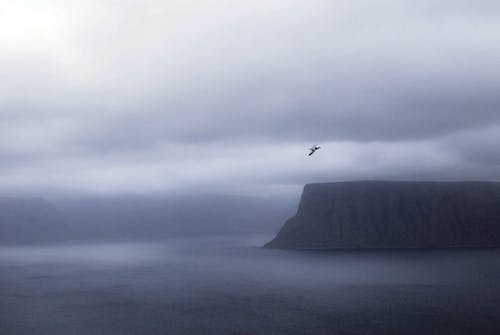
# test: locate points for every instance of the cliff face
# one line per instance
(378, 214)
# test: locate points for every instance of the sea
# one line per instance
(231, 285)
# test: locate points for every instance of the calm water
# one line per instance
(228, 285)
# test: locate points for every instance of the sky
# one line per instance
(225, 96)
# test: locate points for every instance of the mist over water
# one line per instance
(149, 149)
(229, 285)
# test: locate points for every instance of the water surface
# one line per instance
(229, 285)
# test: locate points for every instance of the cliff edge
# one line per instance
(393, 214)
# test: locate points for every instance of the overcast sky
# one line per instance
(225, 96)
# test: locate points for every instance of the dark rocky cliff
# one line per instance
(380, 214)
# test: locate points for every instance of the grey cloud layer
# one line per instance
(154, 95)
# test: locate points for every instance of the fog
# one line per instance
(37, 220)
(148, 149)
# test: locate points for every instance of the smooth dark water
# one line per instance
(228, 285)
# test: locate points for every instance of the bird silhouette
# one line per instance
(313, 149)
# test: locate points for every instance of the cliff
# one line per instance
(382, 214)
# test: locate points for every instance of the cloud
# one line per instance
(142, 96)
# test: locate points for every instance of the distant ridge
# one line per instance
(394, 214)
(26, 220)
(29, 219)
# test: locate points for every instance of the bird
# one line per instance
(313, 149)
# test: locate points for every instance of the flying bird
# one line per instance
(313, 149)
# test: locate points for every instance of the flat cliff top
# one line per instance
(401, 183)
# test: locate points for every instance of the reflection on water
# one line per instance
(228, 285)
(111, 254)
